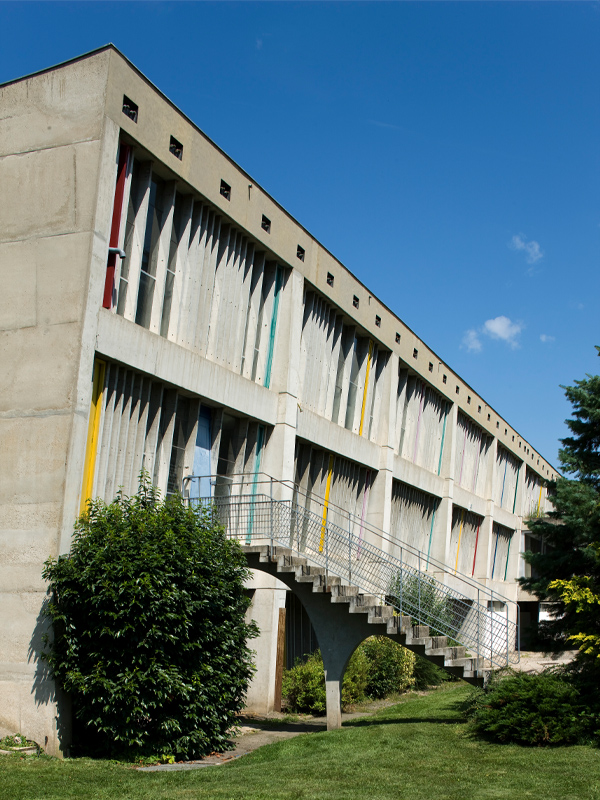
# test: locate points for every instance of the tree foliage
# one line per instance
(149, 631)
(568, 571)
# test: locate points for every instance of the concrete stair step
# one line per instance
(362, 603)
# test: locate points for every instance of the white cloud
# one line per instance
(471, 341)
(545, 338)
(501, 328)
(532, 249)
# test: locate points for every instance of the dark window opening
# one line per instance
(378, 321)
(329, 279)
(130, 108)
(355, 301)
(444, 379)
(489, 417)
(430, 367)
(458, 390)
(225, 190)
(300, 251)
(176, 148)
(266, 224)
(397, 338)
(469, 399)
(415, 353)
(479, 409)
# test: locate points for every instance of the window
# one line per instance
(225, 190)
(330, 279)
(430, 367)
(397, 338)
(355, 301)
(176, 148)
(300, 253)
(378, 321)
(150, 253)
(176, 234)
(444, 379)
(130, 109)
(469, 399)
(265, 224)
(415, 353)
(458, 390)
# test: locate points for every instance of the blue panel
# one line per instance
(201, 488)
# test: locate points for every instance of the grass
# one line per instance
(418, 749)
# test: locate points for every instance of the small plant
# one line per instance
(541, 709)
(15, 741)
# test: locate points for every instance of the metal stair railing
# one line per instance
(415, 585)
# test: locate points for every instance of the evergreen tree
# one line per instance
(568, 572)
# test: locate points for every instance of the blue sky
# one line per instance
(446, 153)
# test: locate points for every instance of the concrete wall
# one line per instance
(52, 154)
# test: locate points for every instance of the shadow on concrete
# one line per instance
(44, 689)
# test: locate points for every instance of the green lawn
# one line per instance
(418, 749)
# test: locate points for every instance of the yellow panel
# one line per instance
(92, 436)
(326, 503)
(365, 390)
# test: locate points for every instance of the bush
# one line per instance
(378, 667)
(303, 685)
(390, 666)
(149, 631)
(426, 674)
(421, 598)
(541, 709)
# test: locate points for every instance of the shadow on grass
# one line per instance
(364, 723)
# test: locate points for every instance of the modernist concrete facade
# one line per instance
(226, 341)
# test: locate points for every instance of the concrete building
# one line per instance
(161, 310)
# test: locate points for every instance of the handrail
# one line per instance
(451, 604)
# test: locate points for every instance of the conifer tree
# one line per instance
(568, 571)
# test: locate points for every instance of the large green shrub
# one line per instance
(149, 630)
(427, 674)
(538, 709)
(390, 666)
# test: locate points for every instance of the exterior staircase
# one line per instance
(381, 619)
(357, 581)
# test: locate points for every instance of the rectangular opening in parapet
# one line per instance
(330, 279)
(300, 252)
(378, 321)
(265, 224)
(458, 390)
(469, 399)
(430, 366)
(489, 417)
(444, 378)
(355, 301)
(398, 338)
(130, 108)
(415, 353)
(225, 190)
(176, 148)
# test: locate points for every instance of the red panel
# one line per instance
(116, 224)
